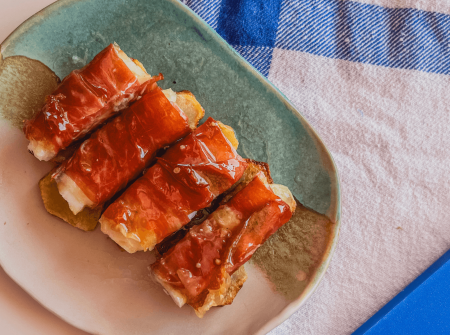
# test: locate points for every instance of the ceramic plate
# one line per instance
(84, 277)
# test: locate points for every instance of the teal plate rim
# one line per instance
(334, 212)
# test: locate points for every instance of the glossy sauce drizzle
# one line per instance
(222, 243)
(186, 179)
(84, 99)
(120, 150)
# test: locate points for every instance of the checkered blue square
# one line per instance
(392, 37)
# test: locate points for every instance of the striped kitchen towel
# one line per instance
(371, 76)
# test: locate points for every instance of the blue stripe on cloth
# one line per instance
(208, 10)
(400, 37)
(251, 27)
(259, 57)
(249, 22)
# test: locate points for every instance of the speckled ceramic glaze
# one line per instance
(84, 277)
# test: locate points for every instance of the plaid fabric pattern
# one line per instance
(392, 37)
(370, 77)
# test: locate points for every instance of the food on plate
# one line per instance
(187, 178)
(252, 169)
(130, 155)
(116, 153)
(205, 268)
(83, 100)
(205, 208)
(86, 220)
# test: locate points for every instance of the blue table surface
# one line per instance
(423, 307)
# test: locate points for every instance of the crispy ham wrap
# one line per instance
(205, 268)
(85, 99)
(187, 178)
(116, 153)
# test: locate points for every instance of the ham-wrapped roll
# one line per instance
(205, 268)
(120, 150)
(184, 180)
(84, 99)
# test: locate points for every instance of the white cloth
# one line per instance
(388, 131)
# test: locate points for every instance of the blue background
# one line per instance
(423, 307)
